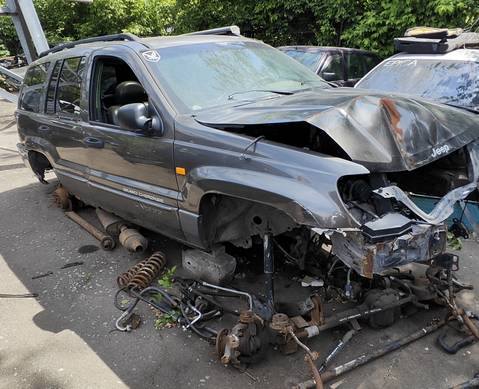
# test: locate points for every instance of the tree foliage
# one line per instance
(368, 24)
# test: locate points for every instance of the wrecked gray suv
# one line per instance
(214, 139)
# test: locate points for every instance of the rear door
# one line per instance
(63, 124)
(131, 174)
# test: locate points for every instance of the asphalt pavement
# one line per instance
(63, 338)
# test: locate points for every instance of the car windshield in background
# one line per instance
(205, 75)
(446, 81)
(309, 59)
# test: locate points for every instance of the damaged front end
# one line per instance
(394, 231)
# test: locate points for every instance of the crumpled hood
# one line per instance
(383, 132)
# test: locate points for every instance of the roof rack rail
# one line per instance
(104, 38)
(229, 30)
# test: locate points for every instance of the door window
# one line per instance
(356, 65)
(33, 87)
(67, 100)
(114, 85)
(333, 69)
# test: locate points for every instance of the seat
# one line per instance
(126, 92)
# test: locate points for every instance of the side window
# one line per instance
(356, 65)
(113, 85)
(371, 61)
(52, 88)
(33, 88)
(333, 69)
(67, 100)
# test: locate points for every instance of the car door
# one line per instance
(131, 173)
(62, 124)
(332, 68)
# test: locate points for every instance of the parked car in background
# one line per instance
(339, 65)
(451, 78)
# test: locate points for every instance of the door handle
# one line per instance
(93, 142)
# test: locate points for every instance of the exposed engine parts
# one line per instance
(106, 241)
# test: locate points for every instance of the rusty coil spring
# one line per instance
(143, 273)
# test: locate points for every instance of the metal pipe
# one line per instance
(106, 241)
(268, 265)
(234, 291)
(368, 357)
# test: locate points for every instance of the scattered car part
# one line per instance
(471, 384)
(455, 347)
(72, 264)
(458, 229)
(370, 356)
(111, 223)
(48, 273)
(143, 273)
(106, 241)
(61, 197)
(346, 338)
(243, 343)
(132, 240)
(18, 296)
(216, 267)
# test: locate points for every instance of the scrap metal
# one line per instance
(106, 241)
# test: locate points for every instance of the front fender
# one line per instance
(303, 203)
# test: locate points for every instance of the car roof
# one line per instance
(454, 55)
(324, 49)
(141, 44)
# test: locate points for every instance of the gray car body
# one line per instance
(133, 175)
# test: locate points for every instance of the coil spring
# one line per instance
(143, 273)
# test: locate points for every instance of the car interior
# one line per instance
(115, 85)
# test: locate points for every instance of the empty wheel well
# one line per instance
(235, 220)
(39, 163)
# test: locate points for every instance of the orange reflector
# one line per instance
(181, 171)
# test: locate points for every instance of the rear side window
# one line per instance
(356, 65)
(64, 89)
(33, 88)
(52, 88)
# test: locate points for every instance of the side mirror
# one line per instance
(329, 76)
(135, 117)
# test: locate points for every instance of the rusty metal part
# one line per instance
(111, 223)
(143, 273)
(132, 240)
(106, 241)
(316, 312)
(61, 197)
(468, 322)
(124, 278)
(314, 372)
(280, 323)
(243, 342)
(372, 355)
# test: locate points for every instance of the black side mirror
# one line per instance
(329, 76)
(135, 117)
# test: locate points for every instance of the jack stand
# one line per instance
(268, 264)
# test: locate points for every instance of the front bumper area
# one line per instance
(420, 244)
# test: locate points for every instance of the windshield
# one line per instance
(199, 76)
(309, 59)
(445, 81)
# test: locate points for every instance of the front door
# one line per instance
(132, 174)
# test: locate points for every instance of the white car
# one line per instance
(451, 78)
